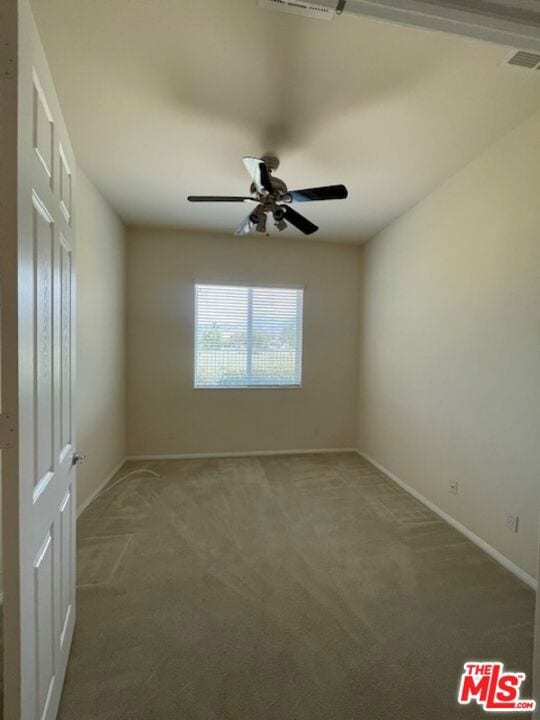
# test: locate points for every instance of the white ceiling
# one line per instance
(164, 97)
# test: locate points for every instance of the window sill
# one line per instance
(247, 387)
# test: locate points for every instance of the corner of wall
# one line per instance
(101, 338)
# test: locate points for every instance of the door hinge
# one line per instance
(8, 432)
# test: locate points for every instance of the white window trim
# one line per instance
(243, 284)
(250, 286)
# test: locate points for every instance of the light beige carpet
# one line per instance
(281, 588)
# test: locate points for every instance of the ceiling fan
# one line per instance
(272, 197)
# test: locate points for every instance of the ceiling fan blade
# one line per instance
(299, 221)
(265, 177)
(259, 174)
(245, 227)
(219, 198)
(328, 192)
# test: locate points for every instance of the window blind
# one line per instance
(248, 336)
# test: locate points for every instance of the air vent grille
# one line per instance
(528, 60)
(306, 9)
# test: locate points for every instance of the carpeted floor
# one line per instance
(281, 588)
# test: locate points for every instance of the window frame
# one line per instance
(248, 286)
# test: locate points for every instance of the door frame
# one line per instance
(9, 406)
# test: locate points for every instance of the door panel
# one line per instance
(43, 129)
(65, 270)
(44, 627)
(39, 609)
(42, 259)
(65, 185)
(67, 580)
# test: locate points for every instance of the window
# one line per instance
(248, 336)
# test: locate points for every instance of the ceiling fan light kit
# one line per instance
(274, 198)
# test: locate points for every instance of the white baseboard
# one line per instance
(97, 491)
(249, 453)
(482, 544)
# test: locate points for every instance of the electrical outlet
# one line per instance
(453, 487)
(512, 522)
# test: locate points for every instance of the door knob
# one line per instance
(78, 459)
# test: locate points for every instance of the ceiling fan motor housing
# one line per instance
(271, 162)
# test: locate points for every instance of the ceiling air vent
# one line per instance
(524, 59)
(307, 9)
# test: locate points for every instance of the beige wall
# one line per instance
(167, 416)
(450, 345)
(101, 290)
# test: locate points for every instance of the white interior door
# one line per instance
(38, 346)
